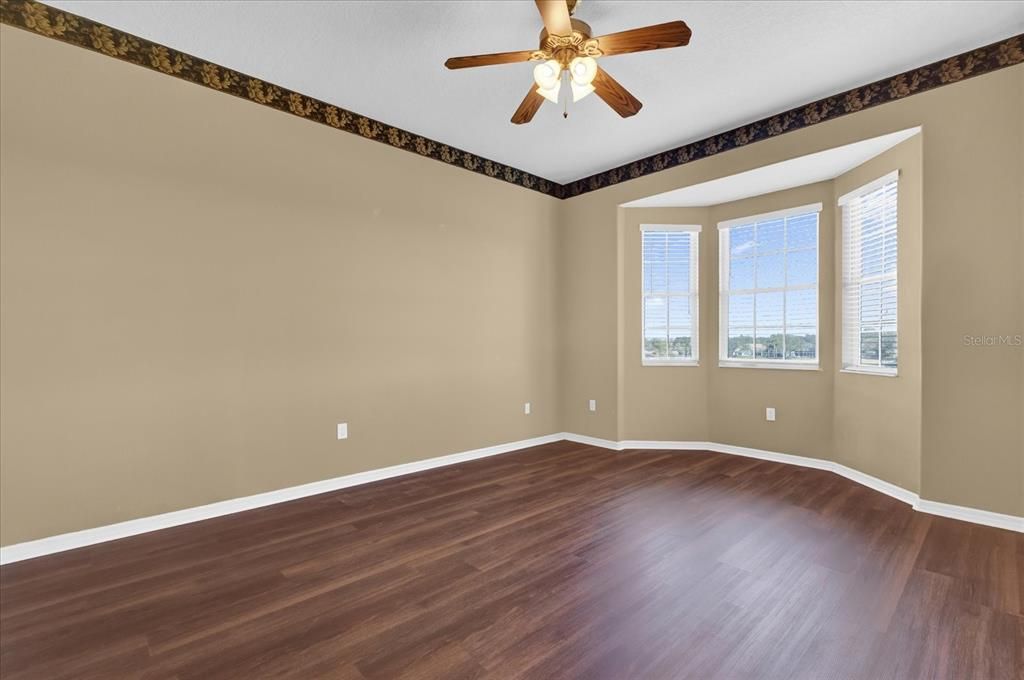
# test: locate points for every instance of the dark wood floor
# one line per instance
(561, 561)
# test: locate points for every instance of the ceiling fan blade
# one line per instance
(555, 14)
(657, 37)
(489, 59)
(528, 108)
(615, 95)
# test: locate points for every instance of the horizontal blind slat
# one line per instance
(870, 261)
(668, 270)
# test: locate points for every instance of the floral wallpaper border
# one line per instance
(76, 30)
(954, 69)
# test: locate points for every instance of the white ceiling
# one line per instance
(795, 172)
(747, 60)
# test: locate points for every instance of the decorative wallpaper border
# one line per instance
(952, 70)
(70, 28)
(82, 32)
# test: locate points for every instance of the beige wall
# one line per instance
(187, 314)
(869, 423)
(724, 405)
(877, 419)
(588, 294)
(662, 403)
(972, 436)
(802, 399)
(972, 445)
(195, 290)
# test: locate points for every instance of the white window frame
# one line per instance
(848, 281)
(693, 295)
(724, 360)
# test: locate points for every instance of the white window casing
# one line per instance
(670, 305)
(768, 290)
(870, 336)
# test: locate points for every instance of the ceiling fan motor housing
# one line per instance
(568, 44)
(565, 48)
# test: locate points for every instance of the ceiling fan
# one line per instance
(567, 49)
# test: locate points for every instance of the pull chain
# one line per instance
(565, 104)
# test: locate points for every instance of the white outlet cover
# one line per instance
(342, 430)
(593, 404)
(769, 414)
(526, 408)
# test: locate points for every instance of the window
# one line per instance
(870, 340)
(669, 294)
(768, 300)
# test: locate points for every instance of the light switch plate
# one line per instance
(769, 414)
(526, 408)
(342, 430)
(593, 404)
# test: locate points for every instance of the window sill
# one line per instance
(687, 362)
(868, 371)
(770, 365)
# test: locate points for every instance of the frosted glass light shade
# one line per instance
(547, 74)
(583, 70)
(550, 93)
(580, 91)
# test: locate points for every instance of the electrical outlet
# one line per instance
(342, 430)
(526, 409)
(769, 414)
(593, 404)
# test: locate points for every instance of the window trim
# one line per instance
(725, 361)
(694, 295)
(873, 185)
(842, 203)
(773, 215)
(869, 370)
(776, 364)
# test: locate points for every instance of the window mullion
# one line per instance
(757, 231)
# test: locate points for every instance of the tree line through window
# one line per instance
(768, 286)
(669, 294)
(870, 263)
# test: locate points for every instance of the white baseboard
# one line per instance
(79, 539)
(111, 532)
(879, 485)
(992, 519)
(965, 514)
(787, 458)
(664, 446)
(592, 441)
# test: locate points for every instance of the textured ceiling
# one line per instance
(747, 60)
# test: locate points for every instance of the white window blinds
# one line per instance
(768, 289)
(869, 334)
(669, 288)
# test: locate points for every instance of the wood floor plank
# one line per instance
(558, 561)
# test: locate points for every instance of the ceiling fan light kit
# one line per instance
(548, 76)
(566, 47)
(583, 69)
(580, 91)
